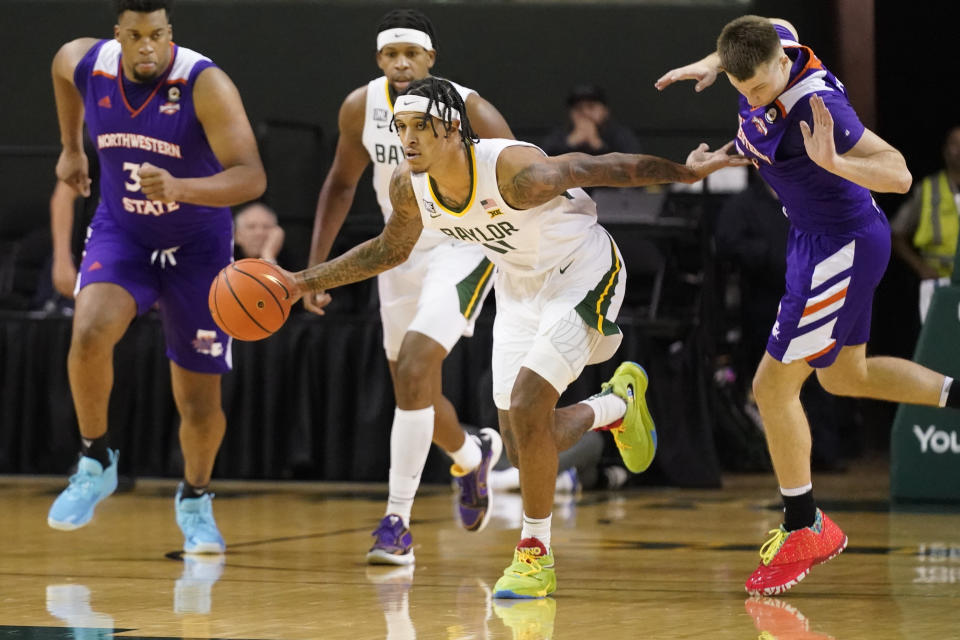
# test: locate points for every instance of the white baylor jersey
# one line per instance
(527, 242)
(383, 145)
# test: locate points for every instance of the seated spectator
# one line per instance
(590, 128)
(256, 233)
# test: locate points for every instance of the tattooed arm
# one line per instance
(528, 179)
(376, 255)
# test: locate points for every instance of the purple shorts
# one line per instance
(829, 294)
(178, 278)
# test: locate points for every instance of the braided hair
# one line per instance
(442, 92)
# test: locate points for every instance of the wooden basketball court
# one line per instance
(644, 563)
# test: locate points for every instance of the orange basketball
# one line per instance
(249, 299)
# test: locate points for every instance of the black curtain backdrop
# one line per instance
(313, 401)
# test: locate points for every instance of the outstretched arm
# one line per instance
(705, 71)
(376, 255)
(527, 178)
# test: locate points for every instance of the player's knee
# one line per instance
(199, 411)
(414, 376)
(761, 388)
(89, 337)
(413, 368)
(526, 418)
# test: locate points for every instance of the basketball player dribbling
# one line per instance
(175, 150)
(559, 287)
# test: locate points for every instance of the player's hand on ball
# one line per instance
(251, 298)
(158, 184)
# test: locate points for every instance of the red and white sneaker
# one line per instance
(787, 557)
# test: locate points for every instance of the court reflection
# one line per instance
(75, 607)
(528, 619)
(71, 604)
(192, 592)
(777, 619)
(469, 615)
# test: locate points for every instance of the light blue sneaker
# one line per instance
(73, 508)
(195, 518)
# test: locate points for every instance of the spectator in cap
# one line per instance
(590, 128)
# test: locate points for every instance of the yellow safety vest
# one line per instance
(939, 224)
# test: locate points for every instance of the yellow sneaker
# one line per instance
(634, 434)
(531, 574)
(529, 619)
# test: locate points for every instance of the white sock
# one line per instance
(945, 390)
(538, 528)
(468, 456)
(410, 438)
(606, 409)
(504, 480)
(797, 491)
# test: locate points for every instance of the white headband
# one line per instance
(419, 104)
(406, 36)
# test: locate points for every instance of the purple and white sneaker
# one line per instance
(476, 496)
(393, 544)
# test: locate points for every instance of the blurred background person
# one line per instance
(926, 226)
(590, 127)
(256, 233)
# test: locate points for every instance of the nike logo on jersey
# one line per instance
(562, 269)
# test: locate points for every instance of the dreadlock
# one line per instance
(410, 19)
(442, 92)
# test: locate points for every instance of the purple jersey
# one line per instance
(131, 124)
(815, 200)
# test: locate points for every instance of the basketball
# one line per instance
(250, 299)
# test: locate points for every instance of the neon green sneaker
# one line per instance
(634, 433)
(530, 575)
(528, 618)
